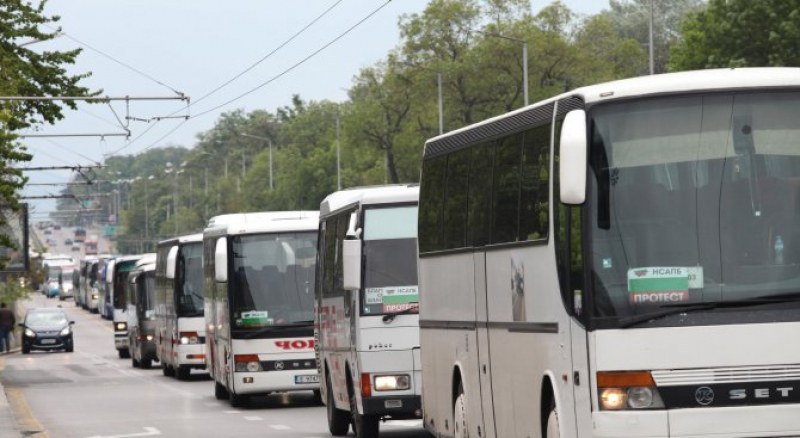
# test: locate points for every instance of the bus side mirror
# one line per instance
(573, 154)
(172, 257)
(221, 260)
(351, 264)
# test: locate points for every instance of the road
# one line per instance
(92, 393)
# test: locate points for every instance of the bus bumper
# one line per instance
(398, 407)
(264, 382)
(121, 340)
(729, 422)
(190, 355)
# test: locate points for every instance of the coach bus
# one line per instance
(259, 286)
(180, 326)
(115, 300)
(140, 301)
(367, 308)
(622, 260)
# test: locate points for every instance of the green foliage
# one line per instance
(11, 290)
(739, 33)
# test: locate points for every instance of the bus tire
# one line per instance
(238, 401)
(182, 372)
(317, 397)
(338, 420)
(552, 427)
(364, 426)
(167, 370)
(146, 363)
(460, 425)
(124, 353)
(220, 393)
(134, 362)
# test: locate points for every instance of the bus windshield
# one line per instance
(390, 260)
(693, 199)
(189, 288)
(121, 272)
(272, 280)
(146, 284)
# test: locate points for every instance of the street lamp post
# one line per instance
(269, 141)
(524, 59)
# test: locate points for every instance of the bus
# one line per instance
(180, 327)
(114, 300)
(622, 260)
(90, 282)
(367, 303)
(90, 245)
(140, 301)
(259, 286)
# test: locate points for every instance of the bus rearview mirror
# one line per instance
(351, 264)
(572, 158)
(221, 260)
(172, 257)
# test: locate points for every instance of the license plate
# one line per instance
(48, 341)
(306, 379)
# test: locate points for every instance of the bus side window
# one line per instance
(534, 195)
(455, 204)
(505, 199)
(430, 208)
(480, 195)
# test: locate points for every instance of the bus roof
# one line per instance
(188, 238)
(264, 222)
(145, 260)
(668, 83)
(385, 194)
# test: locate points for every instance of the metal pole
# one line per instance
(226, 167)
(441, 103)
(191, 193)
(270, 163)
(175, 201)
(525, 70)
(205, 200)
(338, 157)
(146, 212)
(652, 66)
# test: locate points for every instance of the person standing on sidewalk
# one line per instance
(7, 322)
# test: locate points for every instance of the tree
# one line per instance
(739, 33)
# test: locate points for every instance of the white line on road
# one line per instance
(280, 427)
(148, 431)
(233, 412)
(253, 418)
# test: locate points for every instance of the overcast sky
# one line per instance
(194, 46)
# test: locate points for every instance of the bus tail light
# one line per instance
(247, 363)
(189, 338)
(366, 385)
(627, 390)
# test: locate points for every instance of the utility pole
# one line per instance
(338, 156)
(652, 64)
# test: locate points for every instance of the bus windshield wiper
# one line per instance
(389, 317)
(678, 308)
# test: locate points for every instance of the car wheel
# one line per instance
(26, 349)
(220, 393)
(364, 426)
(338, 420)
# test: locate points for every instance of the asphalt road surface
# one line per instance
(93, 393)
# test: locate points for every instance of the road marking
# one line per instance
(148, 431)
(405, 423)
(22, 411)
(253, 418)
(233, 412)
(280, 427)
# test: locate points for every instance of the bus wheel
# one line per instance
(167, 370)
(364, 426)
(552, 429)
(238, 401)
(134, 362)
(460, 426)
(182, 372)
(338, 420)
(124, 353)
(146, 363)
(220, 393)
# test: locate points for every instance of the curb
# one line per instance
(8, 421)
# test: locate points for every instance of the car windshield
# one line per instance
(272, 280)
(390, 260)
(693, 199)
(45, 319)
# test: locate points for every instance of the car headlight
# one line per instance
(627, 390)
(29, 333)
(65, 331)
(392, 383)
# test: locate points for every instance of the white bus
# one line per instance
(622, 260)
(140, 301)
(259, 288)
(180, 326)
(367, 308)
(117, 272)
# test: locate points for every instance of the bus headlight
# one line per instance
(247, 363)
(627, 390)
(94, 296)
(392, 383)
(120, 326)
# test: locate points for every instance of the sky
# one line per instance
(156, 48)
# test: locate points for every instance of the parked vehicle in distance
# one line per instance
(90, 245)
(67, 241)
(259, 303)
(79, 235)
(140, 313)
(180, 327)
(47, 329)
(367, 308)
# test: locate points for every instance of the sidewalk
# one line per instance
(8, 422)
